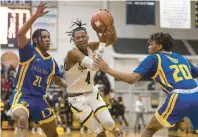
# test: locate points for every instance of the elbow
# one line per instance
(19, 34)
(131, 81)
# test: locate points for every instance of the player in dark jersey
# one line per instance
(174, 74)
(35, 72)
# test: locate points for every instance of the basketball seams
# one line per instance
(101, 20)
(95, 28)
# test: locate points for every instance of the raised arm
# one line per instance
(22, 39)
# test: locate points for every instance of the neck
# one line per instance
(84, 51)
(42, 51)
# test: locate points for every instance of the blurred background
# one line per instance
(134, 22)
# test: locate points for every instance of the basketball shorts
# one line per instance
(37, 106)
(87, 105)
(176, 107)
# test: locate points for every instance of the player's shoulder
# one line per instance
(152, 56)
(73, 52)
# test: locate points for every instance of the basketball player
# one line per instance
(84, 98)
(174, 74)
(36, 69)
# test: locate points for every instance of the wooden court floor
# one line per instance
(127, 133)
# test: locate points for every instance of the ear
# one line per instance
(160, 46)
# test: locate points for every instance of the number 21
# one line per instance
(37, 81)
(183, 69)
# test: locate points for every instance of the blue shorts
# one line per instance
(37, 106)
(176, 107)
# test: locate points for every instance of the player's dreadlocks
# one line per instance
(162, 38)
(36, 34)
(79, 24)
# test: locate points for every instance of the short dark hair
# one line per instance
(73, 31)
(36, 34)
(164, 39)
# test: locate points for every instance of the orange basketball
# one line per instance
(101, 20)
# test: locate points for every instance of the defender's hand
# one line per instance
(101, 64)
(41, 9)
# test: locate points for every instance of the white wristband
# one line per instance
(100, 50)
(101, 45)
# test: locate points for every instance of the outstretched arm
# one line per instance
(126, 77)
(59, 81)
(22, 39)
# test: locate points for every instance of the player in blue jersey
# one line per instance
(35, 72)
(174, 74)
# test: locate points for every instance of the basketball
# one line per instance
(101, 20)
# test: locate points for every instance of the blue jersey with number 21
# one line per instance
(35, 71)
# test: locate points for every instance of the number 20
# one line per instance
(183, 69)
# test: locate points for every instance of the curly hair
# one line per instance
(164, 39)
(36, 34)
(73, 31)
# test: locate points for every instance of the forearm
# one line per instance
(27, 25)
(126, 77)
(59, 81)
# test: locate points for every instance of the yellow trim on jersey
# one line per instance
(15, 96)
(49, 79)
(23, 77)
(46, 101)
(163, 121)
(171, 107)
(197, 131)
(161, 73)
(20, 76)
(24, 67)
(28, 61)
(47, 120)
(20, 106)
(100, 110)
(162, 87)
(15, 102)
(39, 52)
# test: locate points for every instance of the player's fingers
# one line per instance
(46, 12)
(46, 7)
(43, 5)
(40, 3)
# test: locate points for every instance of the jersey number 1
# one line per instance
(37, 81)
(183, 69)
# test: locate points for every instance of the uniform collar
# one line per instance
(40, 53)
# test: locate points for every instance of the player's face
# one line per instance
(153, 47)
(81, 39)
(44, 42)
